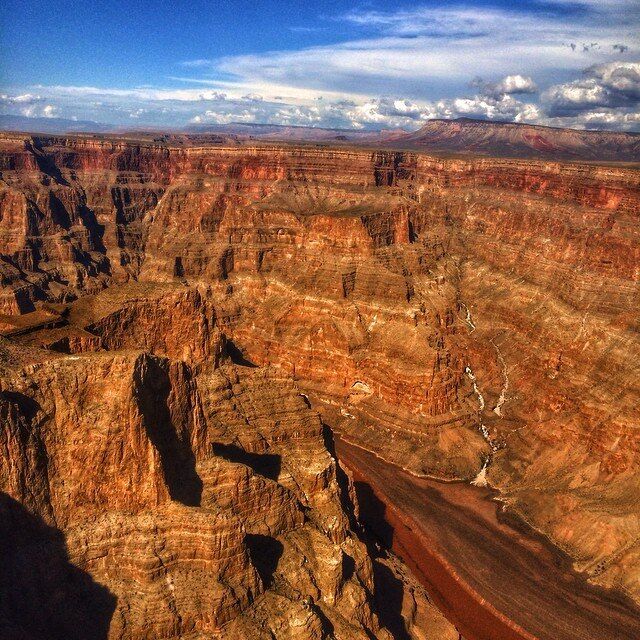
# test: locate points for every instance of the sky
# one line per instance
(355, 65)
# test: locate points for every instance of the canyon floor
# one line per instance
(182, 325)
(492, 576)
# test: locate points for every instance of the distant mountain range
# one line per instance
(461, 136)
(508, 139)
(51, 125)
(286, 132)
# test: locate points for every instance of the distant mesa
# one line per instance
(10, 122)
(465, 136)
(508, 139)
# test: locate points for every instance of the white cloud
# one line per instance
(493, 100)
(27, 104)
(25, 98)
(222, 116)
(509, 85)
(399, 69)
(136, 113)
(143, 93)
(609, 85)
(612, 119)
(253, 97)
(621, 77)
(383, 112)
(426, 51)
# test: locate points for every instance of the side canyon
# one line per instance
(183, 328)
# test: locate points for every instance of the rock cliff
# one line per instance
(151, 498)
(466, 135)
(466, 318)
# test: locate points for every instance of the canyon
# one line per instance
(464, 550)
(184, 325)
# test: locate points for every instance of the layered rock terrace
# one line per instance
(470, 319)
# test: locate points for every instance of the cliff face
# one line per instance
(463, 318)
(156, 499)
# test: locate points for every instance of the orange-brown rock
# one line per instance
(465, 318)
(160, 501)
(469, 136)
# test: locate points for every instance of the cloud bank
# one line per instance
(397, 69)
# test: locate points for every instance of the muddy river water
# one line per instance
(493, 579)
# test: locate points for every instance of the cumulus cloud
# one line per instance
(178, 107)
(411, 51)
(392, 70)
(136, 113)
(385, 110)
(372, 113)
(509, 85)
(493, 101)
(607, 119)
(620, 77)
(253, 97)
(579, 95)
(607, 95)
(27, 104)
(416, 54)
(502, 108)
(211, 116)
(25, 98)
(609, 85)
(517, 84)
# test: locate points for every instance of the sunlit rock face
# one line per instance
(511, 140)
(161, 499)
(465, 318)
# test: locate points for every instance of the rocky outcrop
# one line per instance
(465, 318)
(509, 139)
(160, 501)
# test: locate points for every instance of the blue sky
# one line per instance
(324, 63)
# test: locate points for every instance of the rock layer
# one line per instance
(160, 500)
(466, 319)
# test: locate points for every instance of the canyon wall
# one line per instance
(148, 497)
(466, 319)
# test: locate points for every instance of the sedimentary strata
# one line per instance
(147, 497)
(464, 318)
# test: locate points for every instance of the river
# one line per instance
(490, 576)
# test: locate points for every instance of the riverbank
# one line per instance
(492, 579)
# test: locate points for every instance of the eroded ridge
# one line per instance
(395, 289)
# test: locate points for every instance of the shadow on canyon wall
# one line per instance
(235, 354)
(389, 590)
(42, 595)
(377, 534)
(46, 164)
(264, 464)
(265, 553)
(178, 459)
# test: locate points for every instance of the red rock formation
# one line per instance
(466, 135)
(201, 501)
(452, 315)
